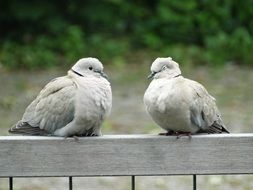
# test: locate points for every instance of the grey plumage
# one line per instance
(75, 104)
(178, 104)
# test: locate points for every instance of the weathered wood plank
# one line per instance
(126, 155)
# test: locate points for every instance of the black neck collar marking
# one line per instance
(177, 75)
(77, 73)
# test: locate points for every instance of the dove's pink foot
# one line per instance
(181, 134)
(169, 133)
(177, 133)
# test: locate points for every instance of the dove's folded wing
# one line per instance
(52, 109)
(204, 112)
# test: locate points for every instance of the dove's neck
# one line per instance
(168, 74)
(73, 73)
(76, 73)
(179, 75)
(173, 76)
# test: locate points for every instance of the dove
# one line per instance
(71, 105)
(179, 105)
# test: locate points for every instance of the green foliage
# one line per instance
(50, 33)
(72, 43)
(236, 47)
(14, 55)
(44, 51)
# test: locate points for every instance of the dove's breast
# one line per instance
(93, 99)
(168, 104)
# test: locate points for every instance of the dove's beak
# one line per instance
(102, 74)
(152, 74)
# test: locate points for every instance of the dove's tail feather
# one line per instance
(225, 130)
(217, 128)
(25, 128)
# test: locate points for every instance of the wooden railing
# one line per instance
(125, 155)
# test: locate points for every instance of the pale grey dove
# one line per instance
(72, 105)
(180, 105)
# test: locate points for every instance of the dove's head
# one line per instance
(164, 68)
(89, 67)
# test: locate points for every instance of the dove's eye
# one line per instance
(90, 68)
(164, 67)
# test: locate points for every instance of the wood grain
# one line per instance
(111, 155)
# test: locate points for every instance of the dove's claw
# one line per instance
(169, 133)
(176, 133)
(76, 138)
(181, 134)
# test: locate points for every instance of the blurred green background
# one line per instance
(211, 40)
(42, 34)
